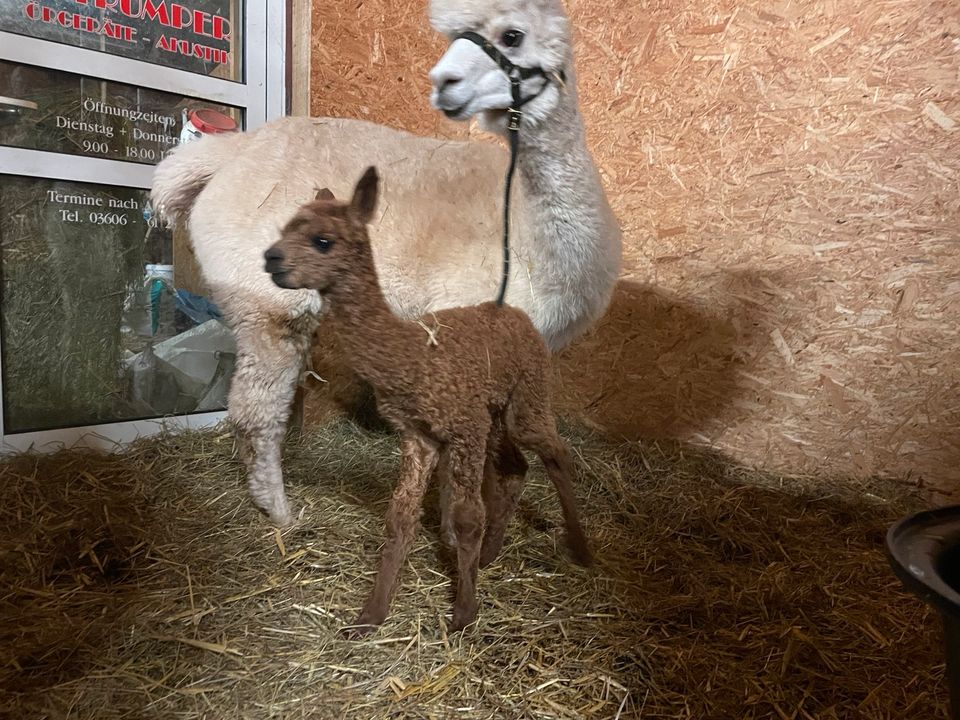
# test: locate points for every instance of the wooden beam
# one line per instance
(301, 14)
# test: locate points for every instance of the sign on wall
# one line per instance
(43, 109)
(201, 36)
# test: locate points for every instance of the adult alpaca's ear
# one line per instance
(364, 200)
(324, 194)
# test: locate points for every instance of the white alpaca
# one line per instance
(437, 240)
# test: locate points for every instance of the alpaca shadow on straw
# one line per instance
(714, 565)
(93, 547)
(73, 547)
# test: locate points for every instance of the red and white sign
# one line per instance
(208, 34)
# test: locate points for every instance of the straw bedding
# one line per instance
(144, 585)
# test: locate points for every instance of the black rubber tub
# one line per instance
(924, 550)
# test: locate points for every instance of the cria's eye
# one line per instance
(322, 243)
(512, 38)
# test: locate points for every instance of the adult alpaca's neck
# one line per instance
(568, 230)
(369, 332)
(555, 165)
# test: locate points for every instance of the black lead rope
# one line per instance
(517, 75)
(513, 135)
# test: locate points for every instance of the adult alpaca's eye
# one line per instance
(512, 38)
(322, 243)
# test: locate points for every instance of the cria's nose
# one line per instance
(273, 254)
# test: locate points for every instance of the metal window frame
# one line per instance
(262, 95)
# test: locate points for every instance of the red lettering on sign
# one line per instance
(156, 11)
(185, 47)
(221, 28)
(87, 24)
(199, 21)
(179, 16)
(172, 15)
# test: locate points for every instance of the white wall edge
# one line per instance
(49, 165)
(110, 437)
(116, 68)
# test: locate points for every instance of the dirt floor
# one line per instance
(144, 585)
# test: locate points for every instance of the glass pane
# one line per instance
(94, 326)
(200, 36)
(61, 112)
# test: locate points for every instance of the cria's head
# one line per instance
(322, 243)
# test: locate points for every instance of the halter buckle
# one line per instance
(513, 119)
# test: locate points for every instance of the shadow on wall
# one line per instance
(656, 366)
(661, 366)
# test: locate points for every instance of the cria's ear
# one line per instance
(364, 200)
(324, 194)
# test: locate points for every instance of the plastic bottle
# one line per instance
(160, 299)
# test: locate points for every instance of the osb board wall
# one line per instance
(788, 179)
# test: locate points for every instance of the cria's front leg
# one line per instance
(403, 515)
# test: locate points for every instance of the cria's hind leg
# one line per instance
(403, 517)
(269, 361)
(531, 424)
(464, 517)
(503, 475)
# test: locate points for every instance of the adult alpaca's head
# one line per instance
(530, 33)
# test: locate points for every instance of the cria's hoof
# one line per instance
(581, 554)
(364, 625)
(489, 553)
(460, 619)
(356, 632)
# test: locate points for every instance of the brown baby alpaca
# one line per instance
(461, 386)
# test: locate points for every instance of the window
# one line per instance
(105, 325)
(61, 112)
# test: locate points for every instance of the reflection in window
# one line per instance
(94, 327)
(61, 112)
(199, 36)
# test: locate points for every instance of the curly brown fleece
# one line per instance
(465, 388)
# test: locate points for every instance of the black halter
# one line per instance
(517, 75)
